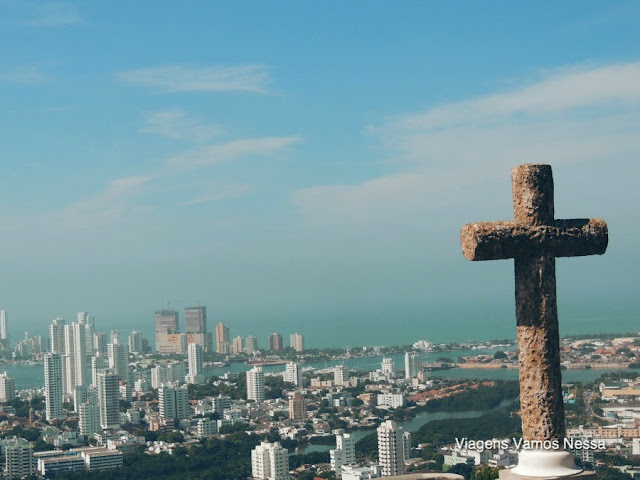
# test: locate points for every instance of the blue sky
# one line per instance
(308, 165)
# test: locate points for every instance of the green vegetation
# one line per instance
(483, 397)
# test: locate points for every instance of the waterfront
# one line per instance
(32, 376)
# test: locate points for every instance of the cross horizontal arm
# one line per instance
(563, 238)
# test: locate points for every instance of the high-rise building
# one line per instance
(100, 343)
(340, 375)
(293, 374)
(222, 336)
(166, 328)
(80, 395)
(56, 336)
(391, 444)
(7, 387)
(53, 386)
(135, 342)
(275, 342)
(115, 336)
(388, 367)
(195, 319)
(196, 364)
(270, 461)
(109, 399)
(238, 345)
(18, 458)
(255, 384)
(118, 354)
(79, 354)
(297, 407)
(89, 325)
(344, 453)
(406, 445)
(296, 340)
(98, 362)
(173, 402)
(173, 372)
(251, 345)
(89, 422)
(4, 330)
(411, 365)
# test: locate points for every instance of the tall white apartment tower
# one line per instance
(79, 354)
(89, 327)
(238, 345)
(251, 344)
(293, 374)
(388, 367)
(344, 453)
(18, 458)
(100, 343)
(53, 386)
(270, 461)
(98, 362)
(411, 365)
(391, 443)
(56, 336)
(89, 422)
(255, 384)
(196, 365)
(4, 329)
(7, 387)
(296, 340)
(118, 354)
(340, 375)
(173, 402)
(135, 342)
(109, 399)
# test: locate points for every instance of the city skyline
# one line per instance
(296, 174)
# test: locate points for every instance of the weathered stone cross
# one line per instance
(534, 239)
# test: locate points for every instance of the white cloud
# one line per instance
(49, 14)
(178, 125)
(222, 193)
(451, 153)
(178, 78)
(220, 153)
(110, 204)
(30, 74)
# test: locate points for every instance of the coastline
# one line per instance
(573, 366)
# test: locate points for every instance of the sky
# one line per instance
(307, 166)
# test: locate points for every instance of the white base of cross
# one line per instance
(548, 464)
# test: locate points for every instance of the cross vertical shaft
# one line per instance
(537, 312)
(534, 239)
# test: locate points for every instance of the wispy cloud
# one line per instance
(220, 153)
(178, 78)
(110, 204)
(223, 193)
(451, 152)
(49, 14)
(24, 75)
(559, 92)
(178, 125)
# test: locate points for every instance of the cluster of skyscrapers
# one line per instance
(226, 346)
(169, 339)
(84, 365)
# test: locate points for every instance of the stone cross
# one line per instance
(534, 239)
